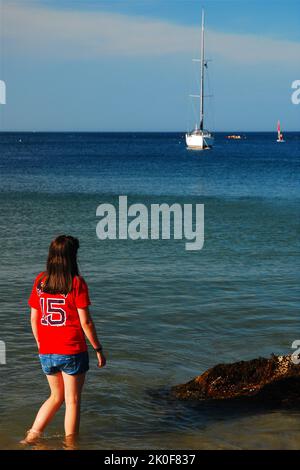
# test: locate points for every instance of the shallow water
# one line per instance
(164, 314)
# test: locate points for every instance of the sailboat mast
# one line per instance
(202, 75)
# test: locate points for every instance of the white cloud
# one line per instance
(45, 32)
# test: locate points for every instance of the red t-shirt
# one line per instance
(59, 328)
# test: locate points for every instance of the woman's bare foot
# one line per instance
(32, 437)
(71, 442)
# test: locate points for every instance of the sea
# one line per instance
(164, 314)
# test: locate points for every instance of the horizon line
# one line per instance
(135, 132)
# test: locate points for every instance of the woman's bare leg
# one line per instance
(48, 408)
(73, 386)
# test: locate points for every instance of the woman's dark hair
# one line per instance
(61, 265)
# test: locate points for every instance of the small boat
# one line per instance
(199, 138)
(279, 133)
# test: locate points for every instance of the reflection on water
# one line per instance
(164, 314)
(224, 427)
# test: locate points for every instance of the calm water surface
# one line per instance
(164, 314)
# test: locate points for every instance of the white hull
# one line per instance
(280, 140)
(199, 141)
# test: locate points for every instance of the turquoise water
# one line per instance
(164, 314)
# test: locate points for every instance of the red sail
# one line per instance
(278, 126)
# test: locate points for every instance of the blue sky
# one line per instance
(278, 18)
(126, 65)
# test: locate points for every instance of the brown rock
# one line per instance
(276, 378)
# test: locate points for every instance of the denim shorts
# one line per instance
(71, 364)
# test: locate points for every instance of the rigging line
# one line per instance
(211, 92)
(188, 100)
(213, 100)
(191, 105)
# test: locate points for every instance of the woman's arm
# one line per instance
(34, 324)
(89, 329)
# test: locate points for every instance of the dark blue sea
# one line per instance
(164, 314)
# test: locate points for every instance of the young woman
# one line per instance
(60, 320)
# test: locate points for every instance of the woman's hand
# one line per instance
(101, 359)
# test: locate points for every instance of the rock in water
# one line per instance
(276, 378)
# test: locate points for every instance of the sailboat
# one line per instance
(279, 133)
(199, 138)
